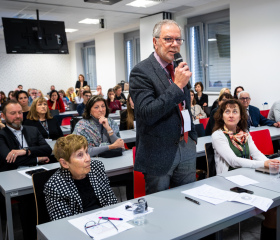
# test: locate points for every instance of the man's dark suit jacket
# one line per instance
(158, 124)
(257, 118)
(36, 143)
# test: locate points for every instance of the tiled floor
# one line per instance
(250, 229)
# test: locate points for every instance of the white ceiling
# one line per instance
(72, 11)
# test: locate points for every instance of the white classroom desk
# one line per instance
(173, 217)
(69, 113)
(13, 184)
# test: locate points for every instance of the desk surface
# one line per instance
(12, 181)
(69, 113)
(173, 216)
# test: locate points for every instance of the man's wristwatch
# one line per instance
(26, 149)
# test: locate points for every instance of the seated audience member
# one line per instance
(233, 147)
(33, 95)
(87, 88)
(22, 98)
(113, 104)
(20, 87)
(81, 107)
(79, 99)
(65, 99)
(128, 119)
(55, 102)
(254, 116)
(40, 94)
(3, 97)
(20, 145)
(101, 132)
(78, 176)
(99, 91)
(197, 111)
(210, 125)
(119, 95)
(11, 96)
(71, 94)
(39, 116)
(200, 98)
(216, 102)
(52, 88)
(237, 90)
(274, 113)
(80, 83)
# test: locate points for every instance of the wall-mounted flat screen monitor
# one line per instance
(34, 37)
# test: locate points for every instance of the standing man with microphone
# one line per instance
(165, 134)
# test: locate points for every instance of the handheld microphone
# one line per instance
(178, 59)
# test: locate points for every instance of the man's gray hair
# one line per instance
(158, 26)
(239, 94)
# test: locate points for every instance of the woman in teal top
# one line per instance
(233, 147)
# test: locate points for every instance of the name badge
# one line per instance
(187, 120)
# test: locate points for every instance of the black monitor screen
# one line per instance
(27, 36)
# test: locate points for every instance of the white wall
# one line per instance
(34, 70)
(255, 48)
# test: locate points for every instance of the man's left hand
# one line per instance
(277, 124)
(12, 155)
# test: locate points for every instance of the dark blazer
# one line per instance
(54, 128)
(158, 126)
(36, 143)
(257, 118)
(203, 99)
(63, 198)
(78, 84)
(211, 122)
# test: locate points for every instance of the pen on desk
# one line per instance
(110, 218)
(192, 200)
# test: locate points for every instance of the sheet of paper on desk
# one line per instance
(251, 199)
(198, 193)
(104, 230)
(241, 180)
(30, 169)
(108, 230)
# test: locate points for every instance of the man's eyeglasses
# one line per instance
(245, 99)
(88, 96)
(93, 227)
(179, 41)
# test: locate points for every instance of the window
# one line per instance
(132, 51)
(208, 44)
(89, 64)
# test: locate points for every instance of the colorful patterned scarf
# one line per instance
(237, 139)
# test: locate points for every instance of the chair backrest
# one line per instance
(199, 128)
(263, 142)
(204, 121)
(66, 121)
(210, 159)
(39, 180)
(139, 181)
(207, 110)
(264, 113)
(74, 121)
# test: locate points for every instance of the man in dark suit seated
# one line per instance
(254, 116)
(165, 151)
(22, 146)
(81, 107)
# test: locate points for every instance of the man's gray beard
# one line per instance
(16, 125)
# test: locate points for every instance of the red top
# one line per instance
(59, 105)
(115, 105)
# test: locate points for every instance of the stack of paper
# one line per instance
(215, 196)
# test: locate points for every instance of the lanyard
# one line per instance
(243, 152)
(46, 127)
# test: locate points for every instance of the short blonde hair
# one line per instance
(66, 146)
(42, 95)
(33, 115)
